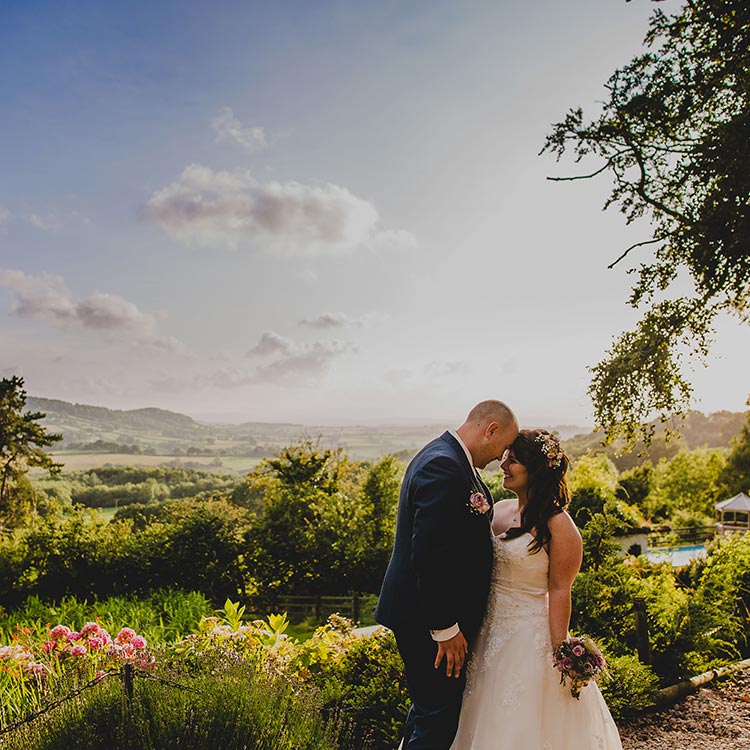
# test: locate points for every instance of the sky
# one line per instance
(314, 212)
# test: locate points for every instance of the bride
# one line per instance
(513, 698)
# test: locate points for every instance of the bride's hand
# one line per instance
(454, 650)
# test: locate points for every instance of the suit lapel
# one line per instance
(475, 481)
(461, 455)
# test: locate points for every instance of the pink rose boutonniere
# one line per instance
(478, 503)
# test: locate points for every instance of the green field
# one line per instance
(84, 461)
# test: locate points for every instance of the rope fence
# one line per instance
(126, 673)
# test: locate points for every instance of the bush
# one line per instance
(228, 706)
(367, 685)
(628, 686)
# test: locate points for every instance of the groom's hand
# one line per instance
(454, 650)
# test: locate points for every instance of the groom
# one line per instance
(435, 589)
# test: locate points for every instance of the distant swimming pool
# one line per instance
(678, 556)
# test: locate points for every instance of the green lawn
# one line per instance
(84, 461)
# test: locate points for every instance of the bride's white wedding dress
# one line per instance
(513, 698)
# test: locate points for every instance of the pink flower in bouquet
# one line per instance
(78, 650)
(578, 660)
(125, 636)
(139, 641)
(59, 632)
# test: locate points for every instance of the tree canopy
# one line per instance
(674, 136)
(22, 440)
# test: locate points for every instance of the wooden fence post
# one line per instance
(127, 674)
(641, 630)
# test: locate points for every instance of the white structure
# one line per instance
(734, 514)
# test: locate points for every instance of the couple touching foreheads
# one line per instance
(478, 595)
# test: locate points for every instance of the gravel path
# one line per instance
(715, 718)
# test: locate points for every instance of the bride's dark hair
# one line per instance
(547, 489)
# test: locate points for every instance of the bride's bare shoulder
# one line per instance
(562, 525)
(504, 510)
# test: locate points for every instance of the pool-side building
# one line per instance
(734, 514)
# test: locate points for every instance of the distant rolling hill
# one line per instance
(165, 432)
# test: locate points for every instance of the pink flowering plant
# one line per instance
(94, 648)
(578, 660)
(29, 665)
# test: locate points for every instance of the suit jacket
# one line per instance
(439, 572)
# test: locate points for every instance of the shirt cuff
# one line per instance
(446, 634)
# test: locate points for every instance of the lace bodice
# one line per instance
(519, 579)
(517, 599)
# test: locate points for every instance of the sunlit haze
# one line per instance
(316, 212)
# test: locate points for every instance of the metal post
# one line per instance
(641, 630)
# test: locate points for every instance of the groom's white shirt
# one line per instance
(453, 630)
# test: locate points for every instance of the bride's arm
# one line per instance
(565, 553)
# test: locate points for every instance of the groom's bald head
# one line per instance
(492, 411)
(488, 431)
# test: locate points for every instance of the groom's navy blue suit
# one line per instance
(438, 575)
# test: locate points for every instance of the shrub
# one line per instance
(628, 686)
(228, 706)
(367, 685)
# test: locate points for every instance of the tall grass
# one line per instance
(229, 706)
(162, 617)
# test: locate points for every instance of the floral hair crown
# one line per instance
(550, 447)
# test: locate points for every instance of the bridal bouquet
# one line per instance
(578, 660)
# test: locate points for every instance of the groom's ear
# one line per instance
(491, 428)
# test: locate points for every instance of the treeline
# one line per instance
(310, 521)
(679, 491)
(109, 487)
(696, 430)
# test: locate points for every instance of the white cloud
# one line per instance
(308, 362)
(233, 209)
(295, 362)
(331, 320)
(229, 128)
(271, 343)
(47, 298)
(4, 215)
